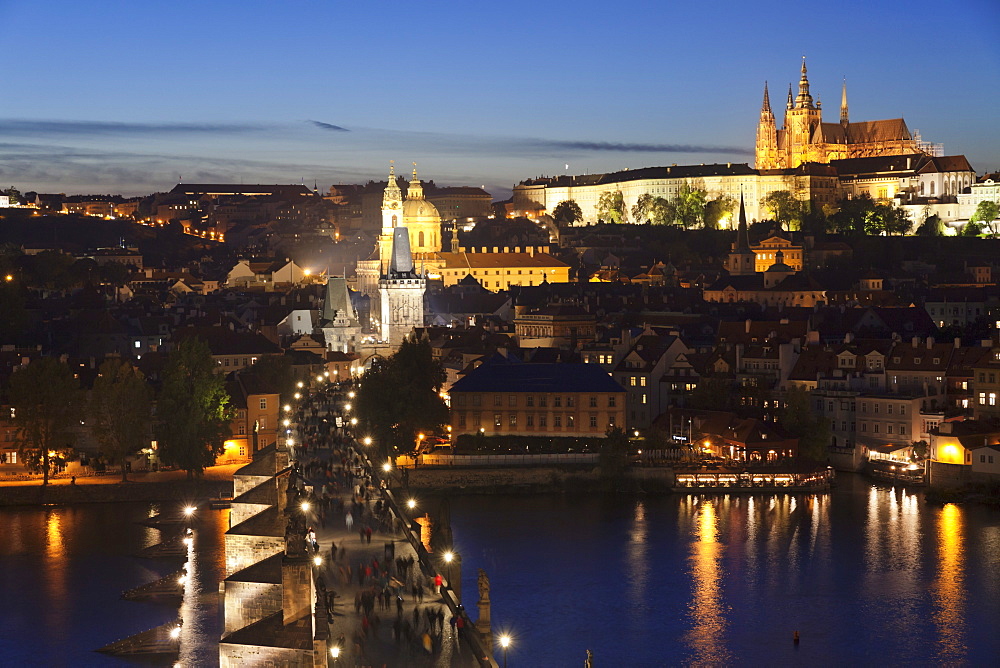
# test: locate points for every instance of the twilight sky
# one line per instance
(127, 97)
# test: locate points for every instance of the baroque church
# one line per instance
(805, 138)
(411, 227)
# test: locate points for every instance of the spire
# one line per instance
(742, 233)
(843, 104)
(415, 191)
(765, 108)
(804, 99)
(392, 195)
(789, 104)
(402, 260)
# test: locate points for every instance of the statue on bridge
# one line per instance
(484, 587)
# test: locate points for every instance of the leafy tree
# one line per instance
(614, 455)
(891, 219)
(643, 208)
(931, 227)
(812, 430)
(662, 211)
(567, 212)
(986, 213)
(14, 194)
(689, 205)
(852, 214)
(277, 372)
(398, 398)
(193, 408)
(785, 208)
(45, 400)
(120, 407)
(716, 210)
(611, 207)
(713, 393)
(972, 229)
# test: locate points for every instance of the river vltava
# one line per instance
(867, 576)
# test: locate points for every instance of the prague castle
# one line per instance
(816, 161)
(806, 138)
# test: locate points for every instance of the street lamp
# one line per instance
(449, 556)
(305, 506)
(387, 467)
(317, 561)
(367, 440)
(505, 643)
(347, 407)
(335, 653)
(288, 408)
(189, 511)
(354, 422)
(350, 394)
(319, 379)
(411, 504)
(297, 396)
(300, 384)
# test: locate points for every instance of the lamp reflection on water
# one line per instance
(706, 637)
(948, 591)
(638, 560)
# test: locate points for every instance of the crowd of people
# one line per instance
(336, 483)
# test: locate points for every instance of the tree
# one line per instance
(643, 208)
(785, 208)
(717, 209)
(567, 212)
(689, 205)
(275, 372)
(45, 401)
(931, 227)
(972, 229)
(986, 214)
(399, 397)
(14, 194)
(661, 211)
(193, 408)
(799, 420)
(891, 219)
(611, 207)
(120, 408)
(614, 456)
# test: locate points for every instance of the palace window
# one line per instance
(497, 400)
(557, 401)
(593, 421)
(557, 421)
(513, 420)
(529, 420)
(593, 402)
(611, 401)
(512, 400)
(263, 403)
(497, 420)
(529, 400)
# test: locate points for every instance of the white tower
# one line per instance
(401, 292)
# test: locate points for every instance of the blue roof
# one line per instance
(502, 375)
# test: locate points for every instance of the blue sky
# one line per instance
(129, 96)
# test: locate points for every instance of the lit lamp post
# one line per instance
(335, 653)
(505, 643)
(367, 440)
(453, 572)
(420, 441)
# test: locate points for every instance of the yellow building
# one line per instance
(499, 271)
(767, 251)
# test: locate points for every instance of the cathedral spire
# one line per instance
(766, 106)
(843, 104)
(804, 99)
(789, 104)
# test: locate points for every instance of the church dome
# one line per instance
(781, 267)
(420, 211)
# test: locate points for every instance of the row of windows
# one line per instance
(531, 400)
(987, 398)
(889, 428)
(531, 420)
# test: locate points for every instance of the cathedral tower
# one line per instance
(767, 137)
(422, 220)
(802, 120)
(392, 216)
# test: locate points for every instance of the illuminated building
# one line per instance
(804, 136)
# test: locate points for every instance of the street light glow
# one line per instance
(411, 504)
(300, 384)
(305, 506)
(351, 394)
(335, 652)
(319, 379)
(354, 421)
(387, 467)
(288, 408)
(505, 641)
(318, 561)
(175, 632)
(189, 510)
(367, 440)
(448, 556)
(347, 407)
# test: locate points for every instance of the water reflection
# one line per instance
(56, 565)
(706, 637)
(948, 591)
(638, 559)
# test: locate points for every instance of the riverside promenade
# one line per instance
(386, 609)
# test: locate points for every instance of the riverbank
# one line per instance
(534, 480)
(158, 486)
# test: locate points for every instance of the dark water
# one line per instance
(868, 576)
(62, 572)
